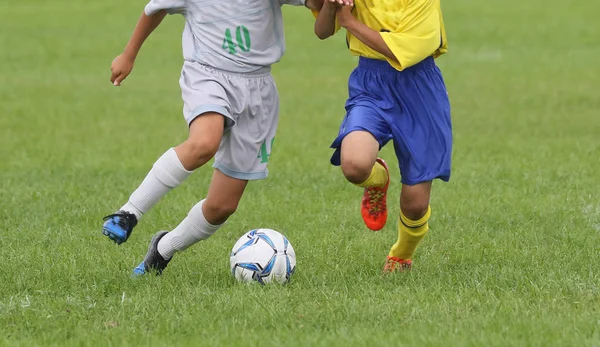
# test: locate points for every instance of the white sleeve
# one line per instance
(171, 6)
(292, 2)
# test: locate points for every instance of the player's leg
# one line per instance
(206, 132)
(169, 171)
(361, 167)
(358, 158)
(362, 133)
(242, 156)
(412, 225)
(206, 217)
(203, 220)
(423, 144)
(207, 111)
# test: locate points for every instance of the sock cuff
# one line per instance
(169, 169)
(369, 181)
(173, 156)
(413, 224)
(196, 212)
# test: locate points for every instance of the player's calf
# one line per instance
(224, 195)
(414, 200)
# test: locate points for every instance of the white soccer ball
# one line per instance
(264, 256)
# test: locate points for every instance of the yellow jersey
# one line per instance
(412, 29)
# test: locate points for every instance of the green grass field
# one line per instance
(514, 253)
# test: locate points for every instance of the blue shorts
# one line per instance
(410, 107)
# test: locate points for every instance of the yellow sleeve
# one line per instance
(416, 40)
(337, 24)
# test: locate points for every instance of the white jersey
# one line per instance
(231, 35)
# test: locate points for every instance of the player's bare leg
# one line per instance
(172, 168)
(412, 225)
(203, 141)
(224, 195)
(359, 152)
(414, 200)
(361, 166)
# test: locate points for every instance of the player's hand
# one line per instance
(331, 4)
(121, 68)
(342, 2)
(344, 15)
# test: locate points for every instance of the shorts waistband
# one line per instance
(260, 72)
(382, 66)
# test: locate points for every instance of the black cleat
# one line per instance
(153, 261)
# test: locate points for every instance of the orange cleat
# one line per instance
(393, 264)
(374, 204)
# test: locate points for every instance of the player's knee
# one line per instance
(217, 213)
(356, 171)
(414, 207)
(202, 149)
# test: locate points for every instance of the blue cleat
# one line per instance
(118, 226)
(153, 261)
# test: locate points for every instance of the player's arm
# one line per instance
(405, 48)
(362, 32)
(325, 24)
(123, 64)
(314, 5)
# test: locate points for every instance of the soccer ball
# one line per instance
(264, 256)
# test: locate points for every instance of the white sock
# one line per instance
(166, 174)
(192, 229)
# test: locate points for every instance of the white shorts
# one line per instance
(250, 104)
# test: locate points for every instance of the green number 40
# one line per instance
(242, 38)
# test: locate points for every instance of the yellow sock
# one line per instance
(410, 234)
(377, 178)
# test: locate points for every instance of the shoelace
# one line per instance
(390, 266)
(376, 203)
